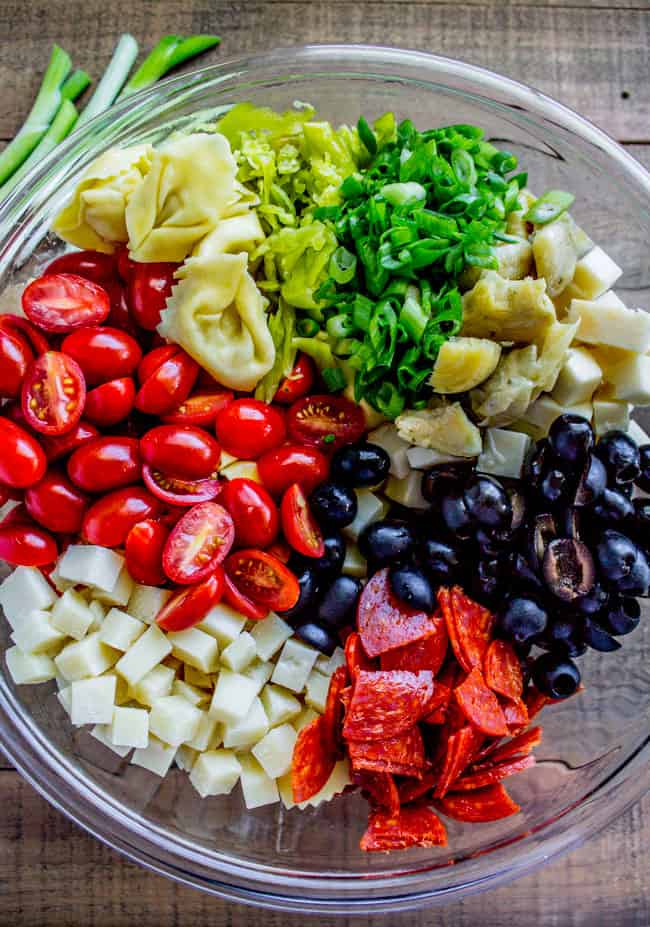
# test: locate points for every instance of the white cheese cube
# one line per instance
(504, 452)
(275, 750)
(355, 563)
(23, 591)
(249, 729)
(71, 615)
(196, 648)
(337, 659)
(173, 720)
(146, 601)
(185, 758)
(316, 689)
(147, 652)
(595, 273)
(423, 458)
(86, 658)
(215, 773)
(157, 757)
(242, 469)
(631, 380)
(155, 684)
(64, 696)
(259, 672)
(578, 379)
(370, 508)
(196, 697)
(542, 413)
(93, 700)
(120, 630)
(584, 409)
(306, 716)
(233, 696)
(83, 562)
(36, 634)
(60, 583)
(294, 665)
(610, 415)
(240, 654)
(408, 491)
(637, 434)
(29, 668)
(120, 594)
(130, 727)
(101, 732)
(270, 634)
(195, 677)
(258, 788)
(223, 623)
(609, 298)
(612, 325)
(279, 705)
(123, 693)
(208, 734)
(386, 436)
(99, 613)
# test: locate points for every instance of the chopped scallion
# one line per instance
(549, 206)
(334, 379)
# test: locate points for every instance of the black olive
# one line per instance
(642, 521)
(537, 464)
(488, 503)
(330, 564)
(387, 542)
(571, 438)
(556, 676)
(569, 523)
(308, 580)
(522, 619)
(541, 532)
(554, 487)
(518, 504)
(613, 508)
(564, 637)
(412, 587)
(318, 637)
(491, 543)
(360, 465)
(569, 570)
(438, 481)
(622, 565)
(621, 457)
(643, 479)
(593, 603)
(486, 581)
(441, 561)
(519, 571)
(593, 482)
(598, 638)
(455, 516)
(333, 505)
(339, 602)
(623, 616)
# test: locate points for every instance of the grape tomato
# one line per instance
(144, 547)
(109, 520)
(149, 286)
(298, 383)
(106, 463)
(324, 421)
(22, 461)
(63, 302)
(292, 463)
(57, 446)
(53, 394)
(56, 504)
(241, 603)
(198, 543)
(92, 265)
(17, 326)
(201, 409)
(249, 427)
(181, 451)
(23, 544)
(103, 353)
(180, 492)
(299, 526)
(263, 578)
(111, 402)
(253, 511)
(154, 359)
(168, 386)
(15, 358)
(190, 605)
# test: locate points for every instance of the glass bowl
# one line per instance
(595, 757)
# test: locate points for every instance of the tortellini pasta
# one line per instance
(95, 217)
(233, 235)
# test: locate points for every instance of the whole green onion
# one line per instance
(61, 127)
(170, 51)
(75, 85)
(548, 207)
(126, 51)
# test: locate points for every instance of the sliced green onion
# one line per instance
(75, 85)
(389, 401)
(367, 136)
(334, 379)
(399, 194)
(343, 265)
(352, 187)
(339, 326)
(464, 167)
(412, 317)
(504, 162)
(549, 206)
(113, 79)
(307, 328)
(42, 112)
(61, 127)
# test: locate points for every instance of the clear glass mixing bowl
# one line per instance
(595, 758)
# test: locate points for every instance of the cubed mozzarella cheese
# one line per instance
(595, 273)
(83, 562)
(23, 591)
(370, 508)
(154, 685)
(71, 615)
(247, 730)
(85, 659)
(173, 720)
(610, 415)
(146, 601)
(93, 700)
(242, 469)
(121, 592)
(337, 659)
(147, 652)
(223, 623)
(35, 633)
(240, 654)
(101, 732)
(294, 665)
(504, 453)
(306, 716)
(355, 563)
(578, 379)
(260, 671)
(60, 583)
(64, 696)
(157, 757)
(130, 727)
(99, 611)
(270, 634)
(631, 380)
(279, 704)
(275, 750)
(423, 458)
(196, 697)
(120, 630)
(215, 773)
(185, 758)
(233, 696)
(386, 436)
(408, 491)
(209, 734)
(258, 788)
(542, 413)
(316, 689)
(196, 678)
(29, 668)
(196, 648)
(637, 434)
(612, 325)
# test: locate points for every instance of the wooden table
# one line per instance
(593, 55)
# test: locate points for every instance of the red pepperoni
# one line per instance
(469, 625)
(414, 826)
(355, 656)
(313, 761)
(428, 653)
(384, 622)
(478, 780)
(400, 756)
(521, 745)
(461, 748)
(379, 789)
(502, 670)
(488, 804)
(480, 705)
(384, 704)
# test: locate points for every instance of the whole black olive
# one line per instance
(522, 619)
(643, 479)
(622, 565)
(441, 561)
(318, 637)
(360, 465)
(308, 581)
(598, 638)
(593, 482)
(621, 457)
(556, 675)
(327, 566)
(333, 505)
(439, 480)
(623, 616)
(386, 542)
(571, 438)
(412, 587)
(338, 604)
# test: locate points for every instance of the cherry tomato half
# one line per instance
(190, 606)
(149, 287)
(111, 402)
(281, 550)
(144, 547)
(109, 520)
(181, 451)
(62, 302)
(201, 409)
(249, 427)
(23, 544)
(253, 511)
(198, 543)
(57, 446)
(263, 578)
(245, 606)
(106, 463)
(56, 504)
(92, 265)
(22, 461)
(292, 463)
(298, 383)
(125, 266)
(16, 325)
(15, 358)
(153, 359)
(53, 394)
(325, 421)
(180, 492)
(299, 526)
(103, 353)
(168, 386)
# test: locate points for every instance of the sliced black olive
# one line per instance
(537, 464)
(437, 482)
(569, 569)
(518, 504)
(519, 571)
(541, 533)
(593, 482)
(598, 638)
(569, 523)
(621, 457)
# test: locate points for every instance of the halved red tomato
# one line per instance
(53, 394)
(237, 600)
(106, 463)
(109, 520)
(292, 463)
(22, 544)
(111, 402)
(201, 409)
(263, 578)
(92, 265)
(56, 504)
(119, 317)
(248, 427)
(16, 325)
(281, 550)
(149, 286)
(325, 421)
(299, 526)
(15, 358)
(198, 543)
(190, 606)
(144, 547)
(62, 302)
(253, 511)
(181, 451)
(153, 359)
(180, 492)
(298, 383)
(169, 385)
(57, 446)
(103, 353)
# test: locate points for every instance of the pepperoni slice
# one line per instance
(384, 704)
(502, 670)
(414, 826)
(384, 622)
(426, 654)
(313, 761)
(461, 748)
(489, 804)
(480, 705)
(479, 780)
(401, 756)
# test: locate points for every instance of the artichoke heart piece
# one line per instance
(556, 253)
(555, 348)
(507, 310)
(463, 363)
(445, 428)
(504, 398)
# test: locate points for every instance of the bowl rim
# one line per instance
(37, 761)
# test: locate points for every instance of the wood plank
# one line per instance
(606, 882)
(585, 56)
